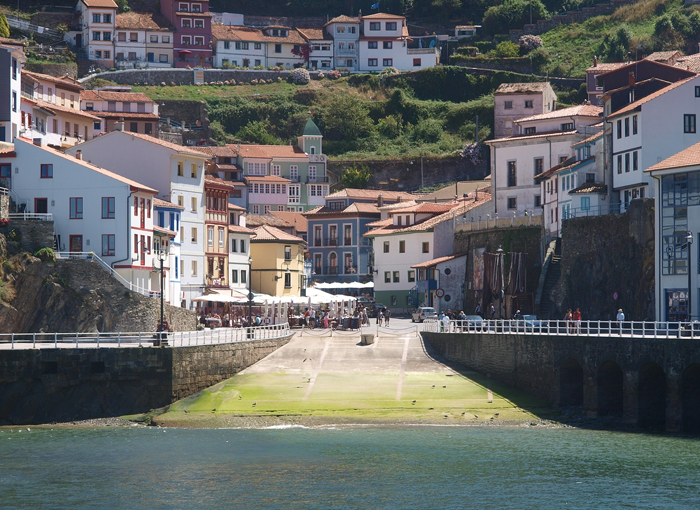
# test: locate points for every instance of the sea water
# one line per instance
(346, 468)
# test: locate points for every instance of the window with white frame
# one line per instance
(294, 173)
(257, 168)
(276, 169)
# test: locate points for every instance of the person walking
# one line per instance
(380, 317)
(568, 318)
(577, 321)
(620, 320)
(387, 316)
(492, 312)
(477, 311)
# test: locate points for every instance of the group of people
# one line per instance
(326, 318)
(383, 317)
(573, 321)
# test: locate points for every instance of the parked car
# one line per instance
(422, 313)
(532, 323)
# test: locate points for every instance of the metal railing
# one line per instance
(31, 216)
(598, 210)
(216, 336)
(90, 256)
(26, 26)
(636, 329)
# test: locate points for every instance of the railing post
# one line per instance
(34, 340)
(119, 339)
(139, 339)
(76, 339)
(55, 340)
(12, 339)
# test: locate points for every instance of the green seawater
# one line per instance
(346, 468)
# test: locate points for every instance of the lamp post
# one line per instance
(689, 243)
(500, 281)
(250, 297)
(161, 256)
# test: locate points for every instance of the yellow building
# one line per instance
(278, 262)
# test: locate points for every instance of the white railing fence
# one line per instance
(645, 329)
(216, 336)
(91, 256)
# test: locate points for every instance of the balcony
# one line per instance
(318, 178)
(350, 269)
(318, 241)
(332, 270)
(294, 178)
(347, 242)
(317, 158)
(331, 242)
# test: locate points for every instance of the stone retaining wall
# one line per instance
(57, 385)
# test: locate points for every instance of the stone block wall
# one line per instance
(58, 385)
(58, 70)
(4, 206)
(34, 234)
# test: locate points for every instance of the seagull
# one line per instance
(476, 416)
(433, 385)
(255, 403)
(444, 386)
(497, 414)
(414, 401)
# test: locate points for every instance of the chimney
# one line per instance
(79, 154)
(119, 125)
(595, 60)
(630, 79)
(380, 200)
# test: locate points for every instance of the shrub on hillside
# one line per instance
(334, 74)
(507, 49)
(300, 76)
(46, 255)
(530, 42)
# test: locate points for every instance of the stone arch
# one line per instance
(610, 394)
(570, 383)
(651, 397)
(690, 396)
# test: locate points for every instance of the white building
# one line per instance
(238, 46)
(408, 237)
(320, 48)
(648, 131)
(166, 233)
(541, 142)
(384, 43)
(11, 62)
(177, 173)
(97, 20)
(676, 183)
(239, 240)
(345, 31)
(94, 210)
(143, 39)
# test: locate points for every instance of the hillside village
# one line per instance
(221, 221)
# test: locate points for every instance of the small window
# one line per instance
(373, 45)
(697, 91)
(627, 126)
(194, 234)
(530, 130)
(689, 123)
(635, 161)
(634, 125)
(47, 171)
(387, 45)
(508, 105)
(416, 62)
(619, 163)
(388, 62)
(387, 276)
(374, 25)
(411, 276)
(108, 207)
(426, 247)
(528, 104)
(619, 128)
(512, 203)
(108, 245)
(386, 246)
(193, 170)
(391, 25)
(154, 38)
(372, 62)
(568, 126)
(193, 203)
(76, 208)
(402, 245)
(512, 174)
(397, 278)
(180, 171)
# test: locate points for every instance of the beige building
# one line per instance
(278, 262)
(143, 39)
(513, 101)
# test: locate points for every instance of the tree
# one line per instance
(4, 26)
(355, 177)
(123, 5)
(302, 51)
(346, 118)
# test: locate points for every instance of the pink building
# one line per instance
(192, 45)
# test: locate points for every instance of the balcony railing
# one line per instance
(347, 242)
(350, 269)
(318, 178)
(331, 242)
(317, 158)
(332, 270)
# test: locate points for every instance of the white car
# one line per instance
(424, 312)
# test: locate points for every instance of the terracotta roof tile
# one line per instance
(168, 145)
(257, 220)
(163, 230)
(157, 202)
(224, 152)
(589, 187)
(604, 67)
(371, 194)
(248, 34)
(106, 95)
(234, 207)
(315, 34)
(125, 115)
(100, 3)
(382, 15)
(296, 219)
(343, 19)
(521, 88)
(63, 109)
(269, 151)
(143, 21)
(240, 230)
(584, 110)
(265, 178)
(269, 233)
(215, 179)
(662, 56)
(530, 137)
(633, 106)
(425, 208)
(439, 260)
(686, 157)
(62, 81)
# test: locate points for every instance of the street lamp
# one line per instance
(250, 297)
(500, 281)
(161, 256)
(689, 243)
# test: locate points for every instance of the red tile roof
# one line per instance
(64, 81)
(54, 108)
(248, 34)
(266, 178)
(439, 260)
(106, 95)
(522, 88)
(168, 145)
(424, 207)
(269, 233)
(143, 21)
(343, 19)
(584, 110)
(234, 207)
(297, 219)
(125, 115)
(372, 194)
(225, 152)
(157, 202)
(315, 34)
(269, 151)
(240, 230)
(684, 158)
(383, 15)
(101, 3)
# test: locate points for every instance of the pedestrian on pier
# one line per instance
(478, 310)
(620, 320)
(387, 316)
(577, 321)
(568, 318)
(492, 312)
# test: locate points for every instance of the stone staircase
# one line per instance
(551, 271)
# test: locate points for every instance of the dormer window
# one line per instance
(568, 126)
(184, 7)
(530, 130)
